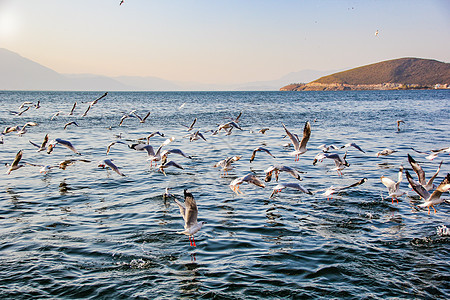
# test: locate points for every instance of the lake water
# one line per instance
(86, 232)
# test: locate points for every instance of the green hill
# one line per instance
(400, 73)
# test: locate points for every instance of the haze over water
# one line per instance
(86, 232)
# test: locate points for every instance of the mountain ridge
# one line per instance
(20, 73)
(401, 73)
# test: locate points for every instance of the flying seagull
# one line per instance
(189, 212)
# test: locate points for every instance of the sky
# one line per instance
(221, 41)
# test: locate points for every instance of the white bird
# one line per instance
(394, 187)
(386, 152)
(70, 123)
(326, 148)
(292, 185)
(189, 212)
(277, 169)
(428, 185)
(340, 163)
(225, 164)
(65, 143)
(109, 163)
(332, 189)
(165, 165)
(433, 154)
(354, 146)
(190, 127)
(141, 120)
(433, 198)
(259, 149)
(15, 164)
(299, 146)
(43, 146)
(250, 178)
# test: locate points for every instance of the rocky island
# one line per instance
(397, 74)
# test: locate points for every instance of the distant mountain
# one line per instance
(402, 73)
(20, 73)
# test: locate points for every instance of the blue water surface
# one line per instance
(86, 232)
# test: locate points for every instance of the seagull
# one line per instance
(354, 146)
(195, 136)
(167, 194)
(377, 32)
(108, 148)
(157, 155)
(189, 212)
(393, 187)
(43, 146)
(429, 156)
(250, 178)
(65, 143)
(190, 127)
(38, 104)
(23, 129)
(292, 185)
(260, 149)
(263, 130)
(428, 185)
(331, 190)
(141, 120)
(68, 162)
(225, 164)
(15, 164)
(70, 123)
(109, 163)
(20, 112)
(277, 169)
(73, 108)
(93, 103)
(174, 151)
(25, 104)
(299, 146)
(433, 198)
(341, 163)
(386, 152)
(141, 147)
(166, 164)
(398, 124)
(125, 116)
(56, 114)
(326, 148)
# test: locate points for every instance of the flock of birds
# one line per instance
(188, 210)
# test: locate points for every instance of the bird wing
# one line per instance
(73, 108)
(357, 147)
(293, 139)
(146, 116)
(443, 187)
(68, 145)
(389, 183)
(354, 184)
(253, 179)
(253, 154)
(418, 188)
(173, 164)
(306, 135)
(113, 167)
(430, 181)
(182, 209)
(418, 169)
(17, 158)
(297, 186)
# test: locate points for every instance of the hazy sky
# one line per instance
(226, 41)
